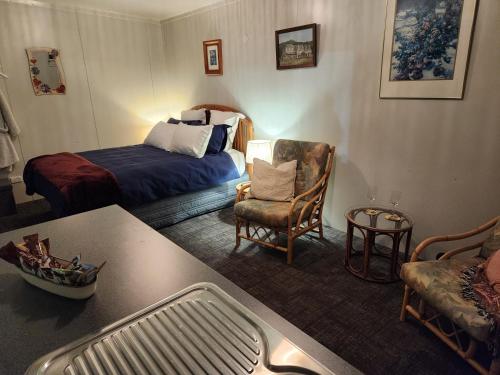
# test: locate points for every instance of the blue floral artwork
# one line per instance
(425, 40)
(213, 57)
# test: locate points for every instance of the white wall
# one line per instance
(114, 69)
(442, 154)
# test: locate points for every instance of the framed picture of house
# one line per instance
(212, 51)
(426, 48)
(296, 47)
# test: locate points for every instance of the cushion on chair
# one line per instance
(269, 213)
(312, 158)
(439, 283)
(273, 183)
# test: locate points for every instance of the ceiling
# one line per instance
(153, 9)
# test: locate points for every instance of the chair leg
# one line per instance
(320, 230)
(289, 251)
(238, 238)
(406, 298)
(494, 367)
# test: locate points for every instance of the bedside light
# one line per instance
(261, 149)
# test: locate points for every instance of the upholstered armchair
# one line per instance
(435, 294)
(263, 220)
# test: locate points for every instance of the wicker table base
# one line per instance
(360, 262)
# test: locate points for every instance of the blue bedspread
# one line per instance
(146, 174)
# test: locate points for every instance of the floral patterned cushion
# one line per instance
(269, 213)
(311, 159)
(491, 244)
(439, 283)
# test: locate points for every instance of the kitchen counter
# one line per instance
(142, 268)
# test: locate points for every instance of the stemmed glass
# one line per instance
(395, 198)
(371, 194)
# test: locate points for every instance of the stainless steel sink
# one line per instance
(199, 330)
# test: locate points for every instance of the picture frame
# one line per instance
(296, 47)
(46, 71)
(426, 48)
(212, 52)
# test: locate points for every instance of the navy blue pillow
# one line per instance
(190, 122)
(218, 139)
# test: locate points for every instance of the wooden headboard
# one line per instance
(245, 127)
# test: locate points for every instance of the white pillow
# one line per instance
(221, 117)
(194, 115)
(228, 118)
(191, 140)
(161, 136)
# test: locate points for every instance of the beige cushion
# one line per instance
(273, 183)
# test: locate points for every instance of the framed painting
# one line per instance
(426, 48)
(212, 51)
(296, 47)
(47, 75)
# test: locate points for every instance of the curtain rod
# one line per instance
(3, 75)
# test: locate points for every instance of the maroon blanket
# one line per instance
(81, 184)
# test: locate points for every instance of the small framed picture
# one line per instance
(212, 50)
(296, 47)
(426, 48)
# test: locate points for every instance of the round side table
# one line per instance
(373, 222)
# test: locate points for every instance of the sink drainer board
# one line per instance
(199, 330)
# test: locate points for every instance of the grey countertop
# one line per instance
(142, 268)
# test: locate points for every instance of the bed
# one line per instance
(159, 187)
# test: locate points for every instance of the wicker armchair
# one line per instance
(263, 219)
(439, 303)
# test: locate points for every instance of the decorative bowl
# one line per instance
(68, 291)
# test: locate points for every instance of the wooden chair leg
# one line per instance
(289, 251)
(320, 230)
(406, 298)
(238, 238)
(494, 367)
(471, 350)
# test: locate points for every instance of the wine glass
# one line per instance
(395, 198)
(371, 194)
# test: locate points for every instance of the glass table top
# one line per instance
(379, 218)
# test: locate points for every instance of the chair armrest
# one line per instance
(242, 190)
(316, 192)
(454, 237)
(452, 253)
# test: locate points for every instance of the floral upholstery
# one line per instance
(311, 159)
(270, 213)
(439, 283)
(491, 244)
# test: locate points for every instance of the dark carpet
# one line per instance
(355, 319)
(29, 213)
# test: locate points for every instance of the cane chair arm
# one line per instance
(454, 237)
(316, 192)
(242, 190)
